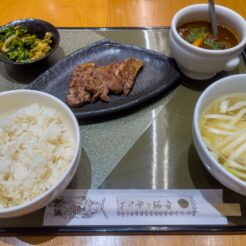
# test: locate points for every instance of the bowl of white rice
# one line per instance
(39, 150)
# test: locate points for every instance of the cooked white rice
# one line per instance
(35, 150)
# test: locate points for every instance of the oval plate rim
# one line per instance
(118, 108)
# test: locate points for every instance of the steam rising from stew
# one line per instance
(200, 34)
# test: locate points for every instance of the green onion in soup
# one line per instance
(223, 128)
(200, 34)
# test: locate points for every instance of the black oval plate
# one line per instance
(158, 75)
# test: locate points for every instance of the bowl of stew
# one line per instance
(198, 52)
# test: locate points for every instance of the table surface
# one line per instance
(103, 13)
(111, 13)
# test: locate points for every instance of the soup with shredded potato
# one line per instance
(35, 151)
(223, 128)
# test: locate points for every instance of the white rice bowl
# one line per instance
(39, 150)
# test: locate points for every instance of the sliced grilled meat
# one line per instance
(128, 71)
(77, 95)
(89, 82)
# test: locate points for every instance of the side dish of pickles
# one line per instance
(19, 45)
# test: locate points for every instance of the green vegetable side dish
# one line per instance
(21, 46)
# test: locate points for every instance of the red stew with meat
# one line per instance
(200, 34)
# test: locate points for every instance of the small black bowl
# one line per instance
(38, 27)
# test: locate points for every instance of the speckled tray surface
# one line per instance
(148, 147)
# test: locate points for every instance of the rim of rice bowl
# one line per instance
(70, 164)
(196, 128)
